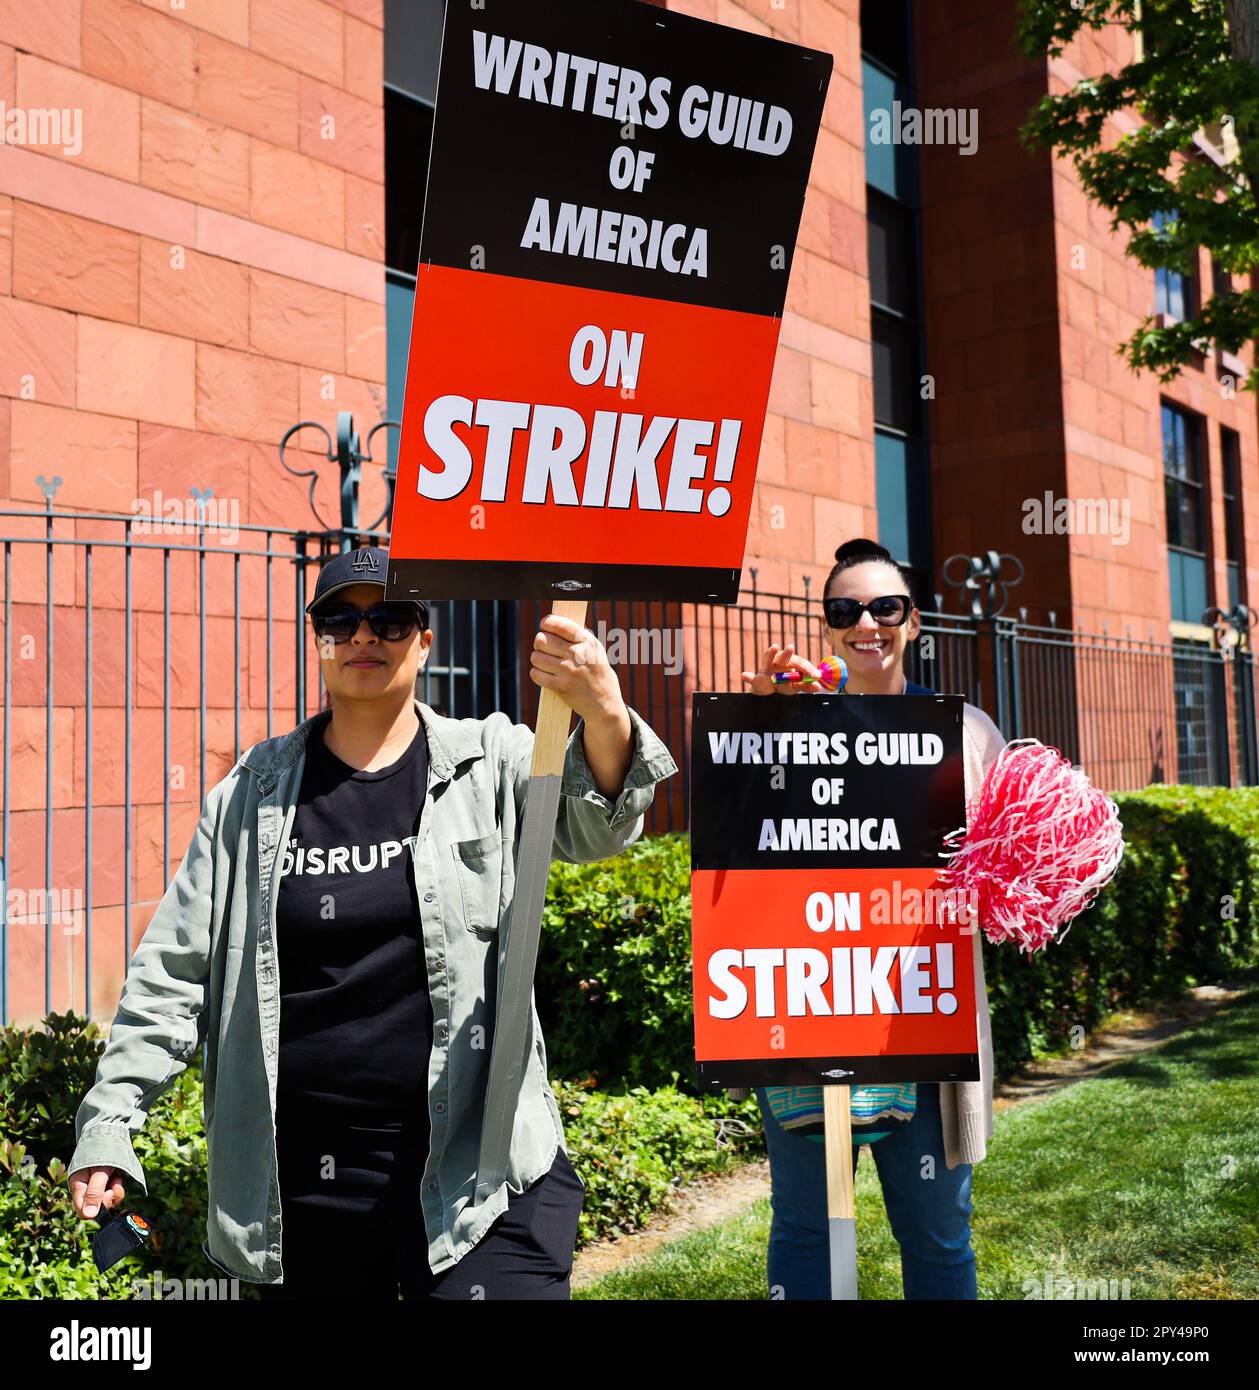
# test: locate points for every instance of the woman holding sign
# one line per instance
(924, 1138)
(333, 935)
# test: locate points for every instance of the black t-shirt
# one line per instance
(356, 1023)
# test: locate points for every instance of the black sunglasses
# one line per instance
(391, 622)
(889, 611)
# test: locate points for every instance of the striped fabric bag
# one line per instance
(799, 1109)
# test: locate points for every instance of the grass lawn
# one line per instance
(1148, 1172)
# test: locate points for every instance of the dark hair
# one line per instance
(860, 552)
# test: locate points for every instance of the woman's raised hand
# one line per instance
(775, 659)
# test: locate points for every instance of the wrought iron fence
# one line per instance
(142, 657)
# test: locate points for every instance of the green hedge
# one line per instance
(613, 981)
(614, 975)
(630, 1150)
(45, 1249)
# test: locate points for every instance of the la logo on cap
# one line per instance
(364, 560)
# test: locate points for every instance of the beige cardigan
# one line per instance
(966, 1106)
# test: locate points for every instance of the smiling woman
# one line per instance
(871, 617)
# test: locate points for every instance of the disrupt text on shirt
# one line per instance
(342, 859)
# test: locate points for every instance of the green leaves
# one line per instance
(1193, 91)
(634, 1149)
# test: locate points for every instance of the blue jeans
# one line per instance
(929, 1216)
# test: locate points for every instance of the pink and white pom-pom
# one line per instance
(1043, 841)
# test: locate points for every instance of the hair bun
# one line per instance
(849, 549)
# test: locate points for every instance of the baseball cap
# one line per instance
(367, 565)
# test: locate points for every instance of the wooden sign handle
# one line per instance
(840, 1207)
(550, 732)
(518, 945)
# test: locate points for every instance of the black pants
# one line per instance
(352, 1225)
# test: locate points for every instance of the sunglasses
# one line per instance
(391, 622)
(890, 611)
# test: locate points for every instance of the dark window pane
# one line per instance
(413, 45)
(1191, 434)
(1230, 458)
(885, 32)
(1169, 442)
(896, 374)
(408, 135)
(1184, 516)
(904, 499)
(1191, 519)
(891, 241)
(1171, 503)
(1181, 437)
(1221, 280)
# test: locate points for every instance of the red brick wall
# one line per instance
(203, 274)
(990, 303)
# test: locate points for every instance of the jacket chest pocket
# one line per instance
(479, 870)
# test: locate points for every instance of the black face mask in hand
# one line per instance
(119, 1235)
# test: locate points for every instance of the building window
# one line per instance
(1221, 279)
(1186, 536)
(1175, 294)
(894, 244)
(1234, 526)
(413, 40)
(1201, 738)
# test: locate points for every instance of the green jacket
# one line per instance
(206, 971)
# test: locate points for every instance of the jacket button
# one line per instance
(432, 1187)
(430, 896)
(440, 1106)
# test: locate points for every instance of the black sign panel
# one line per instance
(812, 737)
(535, 102)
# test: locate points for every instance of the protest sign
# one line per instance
(613, 199)
(824, 950)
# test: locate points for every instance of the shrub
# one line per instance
(45, 1247)
(633, 1150)
(613, 982)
